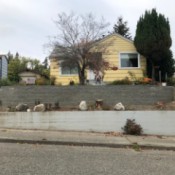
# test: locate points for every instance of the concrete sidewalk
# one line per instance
(112, 139)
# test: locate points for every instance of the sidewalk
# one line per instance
(114, 140)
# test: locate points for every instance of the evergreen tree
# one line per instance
(121, 28)
(45, 63)
(19, 64)
(9, 56)
(153, 40)
(167, 66)
(17, 55)
(14, 67)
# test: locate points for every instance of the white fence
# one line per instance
(152, 122)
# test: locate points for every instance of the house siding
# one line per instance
(111, 47)
(115, 46)
(29, 77)
(3, 67)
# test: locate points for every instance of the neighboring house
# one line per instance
(3, 66)
(29, 77)
(118, 51)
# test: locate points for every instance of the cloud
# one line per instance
(26, 24)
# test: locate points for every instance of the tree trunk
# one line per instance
(82, 77)
(81, 74)
(82, 81)
(153, 72)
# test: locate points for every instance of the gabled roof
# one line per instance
(56, 54)
(30, 71)
(111, 35)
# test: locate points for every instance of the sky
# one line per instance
(26, 26)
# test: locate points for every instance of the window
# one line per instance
(69, 70)
(129, 60)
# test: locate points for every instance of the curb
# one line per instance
(66, 143)
(134, 146)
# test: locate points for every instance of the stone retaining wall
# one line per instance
(72, 95)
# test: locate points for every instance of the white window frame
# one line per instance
(129, 67)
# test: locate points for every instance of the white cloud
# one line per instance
(25, 24)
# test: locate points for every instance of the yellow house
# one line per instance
(118, 51)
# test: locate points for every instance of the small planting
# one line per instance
(132, 76)
(71, 83)
(56, 105)
(160, 105)
(5, 82)
(125, 81)
(52, 80)
(91, 107)
(132, 128)
(37, 102)
(106, 107)
(42, 81)
(171, 81)
(136, 147)
(11, 109)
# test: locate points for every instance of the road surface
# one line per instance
(31, 159)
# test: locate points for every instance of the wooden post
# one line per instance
(160, 77)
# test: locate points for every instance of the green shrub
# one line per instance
(42, 81)
(5, 82)
(52, 80)
(132, 76)
(106, 108)
(56, 105)
(37, 102)
(171, 81)
(71, 83)
(132, 128)
(125, 81)
(92, 106)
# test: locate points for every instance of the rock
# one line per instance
(83, 106)
(119, 107)
(21, 107)
(28, 110)
(39, 108)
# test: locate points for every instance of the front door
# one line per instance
(91, 75)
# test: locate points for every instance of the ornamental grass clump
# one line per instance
(132, 128)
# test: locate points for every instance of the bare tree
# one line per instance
(76, 36)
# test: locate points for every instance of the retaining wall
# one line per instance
(72, 95)
(152, 122)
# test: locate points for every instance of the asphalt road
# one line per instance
(31, 159)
